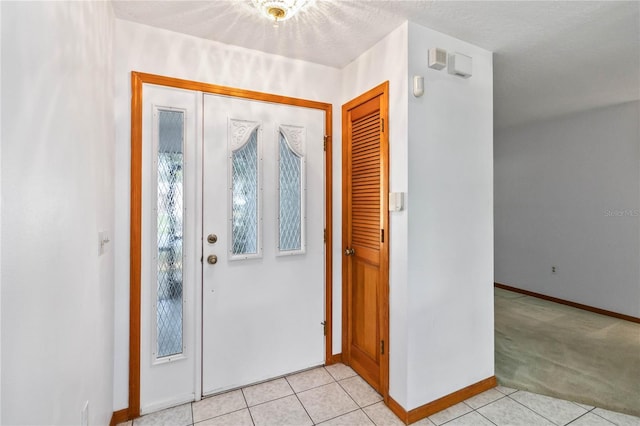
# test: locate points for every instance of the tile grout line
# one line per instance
(576, 419)
(358, 407)
(532, 410)
(507, 394)
(336, 381)
(354, 401)
(595, 414)
(351, 397)
(474, 409)
(452, 419)
(361, 408)
(604, 418)
(572, 402)
(593, 407)
(280, 397)
(247, 404)
(271, 400)
(346, 377)
(314, 387)
(369, 417)
(484, 417)
(299, 401)
(484, 405)
(221, 415)
(340, 415)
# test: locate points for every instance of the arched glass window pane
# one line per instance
(291, 197)
(169, 232)
(244, 182)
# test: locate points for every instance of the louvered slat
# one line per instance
(365, 181)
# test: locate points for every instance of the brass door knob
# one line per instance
(349, 252)
(212, 259)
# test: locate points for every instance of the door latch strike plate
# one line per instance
(382, 347)
(324, 327)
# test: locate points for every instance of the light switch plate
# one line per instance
(396, 201)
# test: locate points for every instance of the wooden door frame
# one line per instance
(381, 90)
(138, 79)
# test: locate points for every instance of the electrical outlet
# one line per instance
(554, 269)
(85, 415)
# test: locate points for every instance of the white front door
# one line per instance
(263, 220)
(170, 247)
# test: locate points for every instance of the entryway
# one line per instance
(234, 239)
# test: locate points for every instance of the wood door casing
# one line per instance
(138, 79)
(365, 231)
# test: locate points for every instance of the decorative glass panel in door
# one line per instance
(291, 190)
(170, 247)
(169, 232)
(245, 190)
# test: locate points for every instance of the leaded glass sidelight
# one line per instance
(291, 191)
(170, 136)
(245, 193)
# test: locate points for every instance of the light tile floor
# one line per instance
(336, 396)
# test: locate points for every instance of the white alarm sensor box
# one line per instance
(460, 65)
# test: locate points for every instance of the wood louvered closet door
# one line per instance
(365, 223)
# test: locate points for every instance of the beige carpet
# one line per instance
(567, 353)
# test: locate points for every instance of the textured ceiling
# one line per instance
(551, 58)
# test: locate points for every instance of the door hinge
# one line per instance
(326, 138)
(382, 235)
(325, 235)
(324, 327)
(382, 347)
(382, 124)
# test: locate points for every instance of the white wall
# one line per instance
(387, 60)
(450, 245)
(57, 190)
(568, 195)
(143, 48)
(441, 245)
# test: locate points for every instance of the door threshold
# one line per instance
(259, 382)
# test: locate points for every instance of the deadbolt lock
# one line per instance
(212, 238)
(212, 259)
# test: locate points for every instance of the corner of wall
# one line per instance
(450, 223)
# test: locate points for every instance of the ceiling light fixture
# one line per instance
(279, 10)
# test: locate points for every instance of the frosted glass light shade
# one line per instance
(279, 10)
